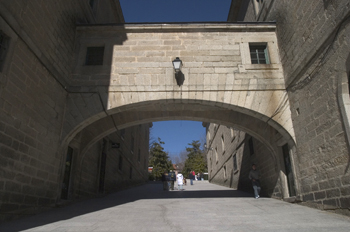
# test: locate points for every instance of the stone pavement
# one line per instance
(201, 207)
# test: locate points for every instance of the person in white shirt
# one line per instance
(179, 179)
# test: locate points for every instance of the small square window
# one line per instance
(94, 56)
(4, 43)
(259, 54)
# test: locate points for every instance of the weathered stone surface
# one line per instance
(315, 58)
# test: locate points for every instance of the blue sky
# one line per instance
(136, 11)
(176, 134)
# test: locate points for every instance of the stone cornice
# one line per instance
(181, 27)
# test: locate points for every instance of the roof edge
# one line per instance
(191, 26)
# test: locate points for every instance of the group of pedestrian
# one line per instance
(168, 180)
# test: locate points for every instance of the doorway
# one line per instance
(67, 174)
(288, 170)
(101, 186)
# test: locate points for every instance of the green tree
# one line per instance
(196, 160)
(159, 159)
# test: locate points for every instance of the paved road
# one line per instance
(201, 207)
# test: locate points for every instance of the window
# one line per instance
(225, 175)
(122, 133)
(259, 54)
(235, 163)
(120, 162)
(216, 155)
(4, 43)
(92, 3)
(132, 144)
(94, 56)
(251, 146)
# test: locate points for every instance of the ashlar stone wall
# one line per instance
(35, 71)
(137, 68)
(230, 156)
(312, 38)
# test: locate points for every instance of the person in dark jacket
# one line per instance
(165, 181)
(254, 176)
(191, 177)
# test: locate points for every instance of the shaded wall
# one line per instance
(35, 68)
(126, 161)
(312, 39)
(243, 149)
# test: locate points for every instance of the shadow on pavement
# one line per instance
(152, 190)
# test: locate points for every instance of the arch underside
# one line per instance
(261, 127)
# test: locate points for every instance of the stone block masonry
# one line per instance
(35, 69)
(312, 39)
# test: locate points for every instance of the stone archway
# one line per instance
(269, 133)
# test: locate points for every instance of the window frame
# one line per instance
(258, 47)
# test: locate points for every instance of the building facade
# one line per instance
(79, 89)
(37, 47)
(230, 155)
(316, 66)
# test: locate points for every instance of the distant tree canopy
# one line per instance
(196, 159)
(159, 159)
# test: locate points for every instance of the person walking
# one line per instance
(165, 181)
(254, 176)
(179, 179)
(190, 176)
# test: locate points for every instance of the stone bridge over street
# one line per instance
(80, 88)
(136, 82)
